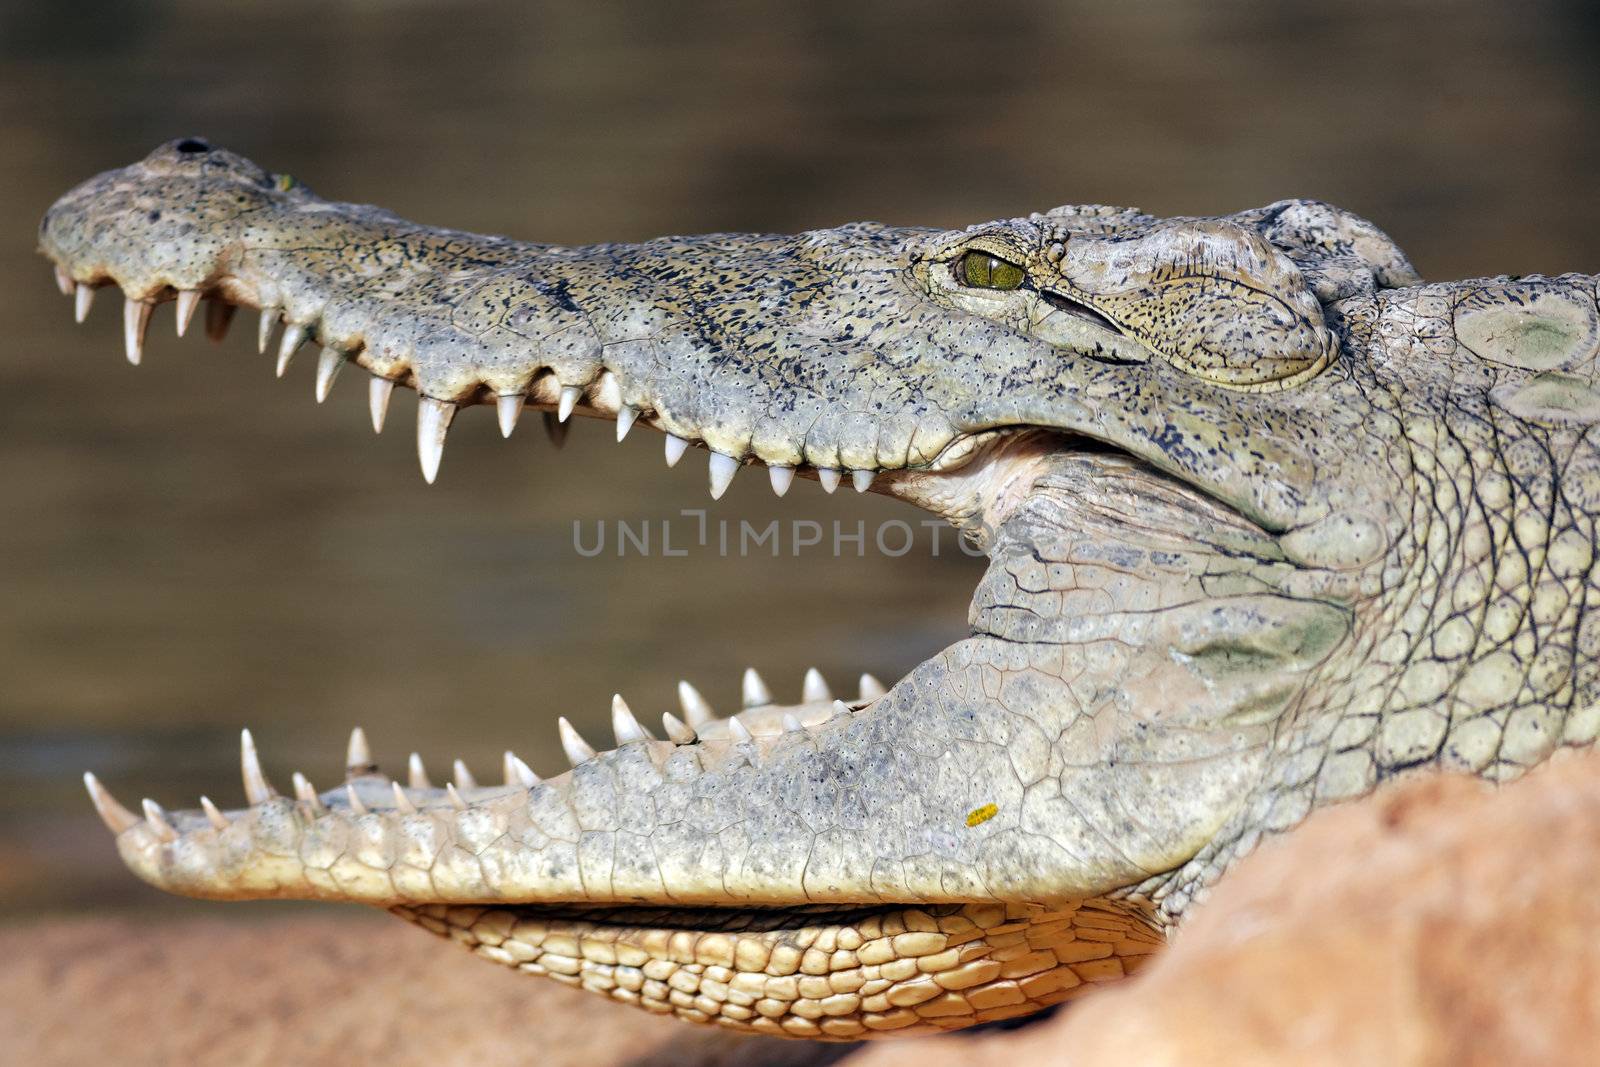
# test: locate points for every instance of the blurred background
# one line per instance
(193, 546)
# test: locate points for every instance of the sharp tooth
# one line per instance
(555, 429)
(219, 316)
(80, 305)
(723, 468)
(568, 401)
(330, 361)
(156, 818)
(623, 724)
(738, 730)
(463, 776)
(218, 820)
(63, 280)
(356, 807)
(379, 390)
(577, 749)
(676, 447)
(358, 755)
(455, 798)
(188, 300)
(696, 709)
(268, 323)
(829, 478)
(862, 480)
(754, 689)
(402, 801)
(304, 791)
(257, 790)
(135, 317)
(294, 335)
(116, 817)
(782, 478)
(871, 688)
(519, 773)
(840, 708)
(416, 773)
(433, 422)
(607, 393)
(678, 731)
(625, 418)
(791, 725)
(814, 688)
(507, 406)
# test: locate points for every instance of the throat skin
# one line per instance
(1270, 522)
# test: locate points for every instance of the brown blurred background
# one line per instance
(193, 546)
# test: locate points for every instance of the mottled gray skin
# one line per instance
(1270, 522)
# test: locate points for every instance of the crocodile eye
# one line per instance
(981, 270)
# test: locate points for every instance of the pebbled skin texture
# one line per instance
(1270, 522)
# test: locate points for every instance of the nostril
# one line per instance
(191, 145)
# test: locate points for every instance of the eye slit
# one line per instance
(982, 270)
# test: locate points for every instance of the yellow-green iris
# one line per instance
(981, 270)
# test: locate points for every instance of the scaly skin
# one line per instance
(1270, 522)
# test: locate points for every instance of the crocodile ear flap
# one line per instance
(1209, 296)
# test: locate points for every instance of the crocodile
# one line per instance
(1270, 522)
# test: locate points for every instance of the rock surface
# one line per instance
(1438, 923)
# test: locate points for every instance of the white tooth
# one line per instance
(555, 429)
(188, 300)
(678, 731)
(268, 323)
(519, 773)
(416, 773)
(116, 817)
(356, 807)
(625, 417)
(815, 687)
(80, 305)
(157, 820)
(218, 820)
(607, 393)
(257, 790)
(623, 724)
(507, 407)
(568, 401)
(840, 708)
(463, 776)
(738, 730)
(379, 390)
(63, 280)
(696, 709)
(862, 480)
(676, 447)
(219, 316)
(871, 688)
(782, 478)
(791, 725)
(455, 798)
(723, 468)
(754, 689)
(358, 754)
(829, 478)
(305, 792)
(294, 335)
(135, 317)
(433, 422)
(577, 749)
(402, 801)
(330, 361)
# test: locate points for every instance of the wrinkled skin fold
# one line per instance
(1270, 521)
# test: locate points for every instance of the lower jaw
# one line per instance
(830, 973)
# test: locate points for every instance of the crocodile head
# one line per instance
(1268, 521)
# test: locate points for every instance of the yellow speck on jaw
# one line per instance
(979, 816)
